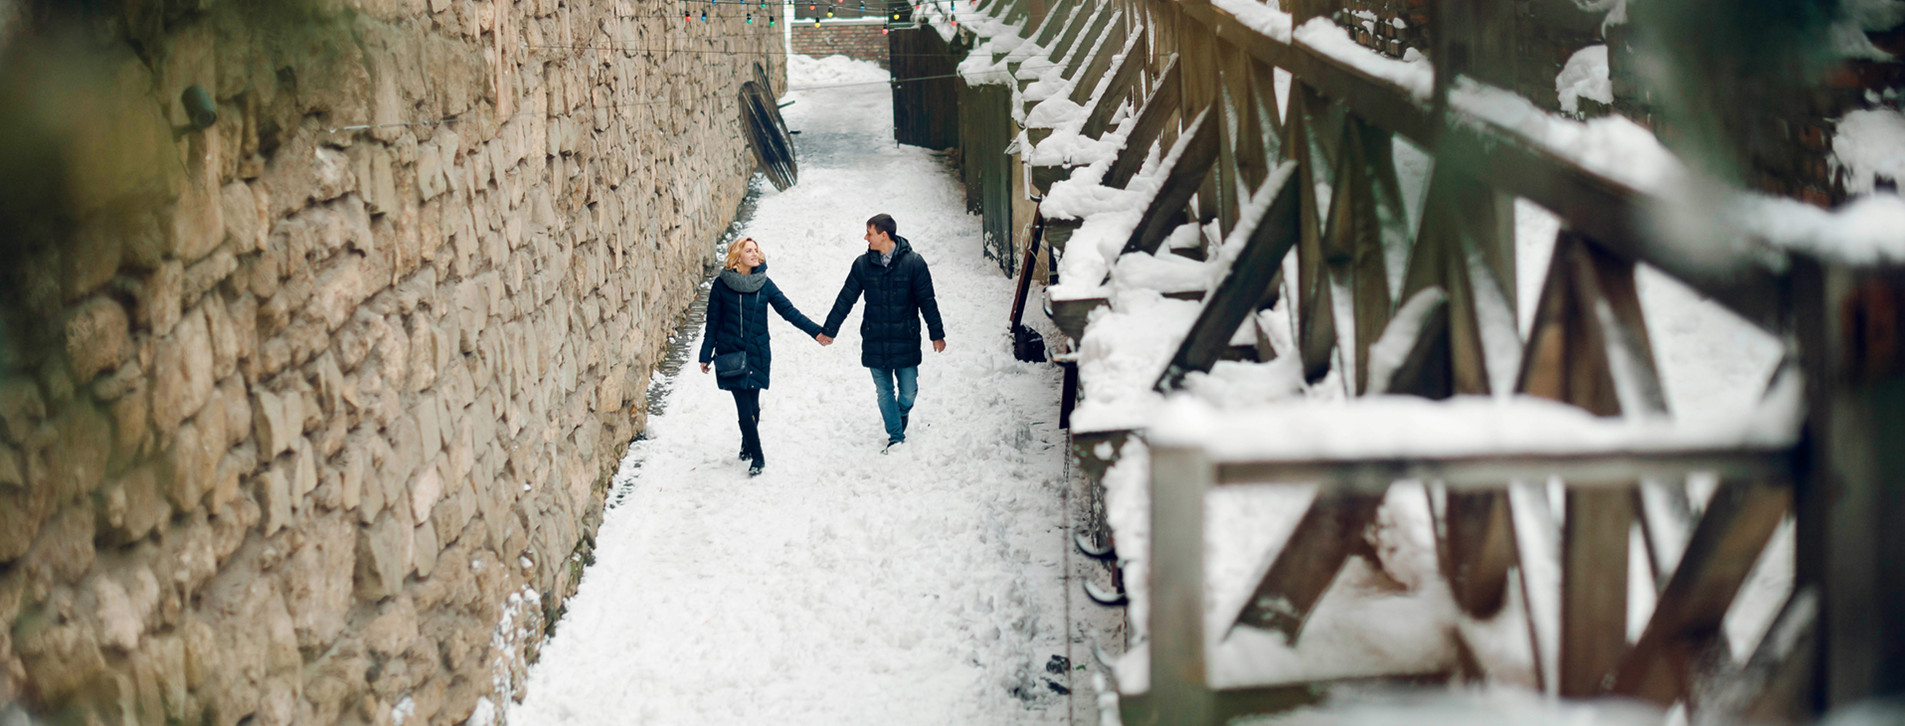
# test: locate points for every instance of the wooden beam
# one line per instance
(1295, 579)
(1113, 45)
(1614, 214)
(1180, 182)
(1106, 35)
(1242, 290)
(1734, 529)
(1477, 548)
(1776, 684)
(1613, 470)
(1316, 310)
(1123, 81)
(1158, 111)
(1593, 589)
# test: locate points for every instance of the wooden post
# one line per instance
(1851, 329)
(1180, 689)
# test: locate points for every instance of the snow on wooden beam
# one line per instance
(1158, 111)
(1199, 154)
(1123, 81)
(1112, 45)
(1269, 238)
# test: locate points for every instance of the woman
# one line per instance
(737, 332)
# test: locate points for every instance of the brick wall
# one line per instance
(856, 39)
(307, 422)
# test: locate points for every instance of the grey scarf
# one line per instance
(744, 283)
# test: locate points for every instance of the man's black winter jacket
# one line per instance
(898, 294)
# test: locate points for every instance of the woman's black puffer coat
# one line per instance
(728, 307)
(898, 295)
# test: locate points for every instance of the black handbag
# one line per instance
(733, 365)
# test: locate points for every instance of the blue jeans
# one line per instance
(894, 410)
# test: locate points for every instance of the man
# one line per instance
(899, 291)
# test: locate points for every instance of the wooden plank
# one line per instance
(1180, 182)
(1179, 684)
(1613, 470)
(1158, 110)
(1242, 290)
(1594, 543)
(1123, 82)
(1734, 529)
(1439, 259)
(1294, 580)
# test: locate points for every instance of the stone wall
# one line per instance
(308, 416)
(859, 40)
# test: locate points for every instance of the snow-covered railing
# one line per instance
(1192, 673)
(1291, 137)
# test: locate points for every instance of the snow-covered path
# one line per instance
(842, 586)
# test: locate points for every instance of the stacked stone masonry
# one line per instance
(307, 423)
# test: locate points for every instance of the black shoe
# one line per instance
(743, 456)
(890, 444)
(755, 468)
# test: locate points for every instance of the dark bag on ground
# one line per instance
(730, 365)
(1028, 345)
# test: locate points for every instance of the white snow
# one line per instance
(1389, 350)
(1258, 16)
(841, 586)
(1870, 143)
(1612, 146)
(1413, 73)
(803, 70)
(1585, 76)
(1867, 230)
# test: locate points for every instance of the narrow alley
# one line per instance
(842, 586)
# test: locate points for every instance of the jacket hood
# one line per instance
(900, 247)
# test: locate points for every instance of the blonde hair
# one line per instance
(734, 252)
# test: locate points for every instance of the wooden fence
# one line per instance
(1200, 78)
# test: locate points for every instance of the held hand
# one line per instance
(939, 346)
(704, 368)
(824, 339)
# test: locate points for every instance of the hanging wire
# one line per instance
(633, 104)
